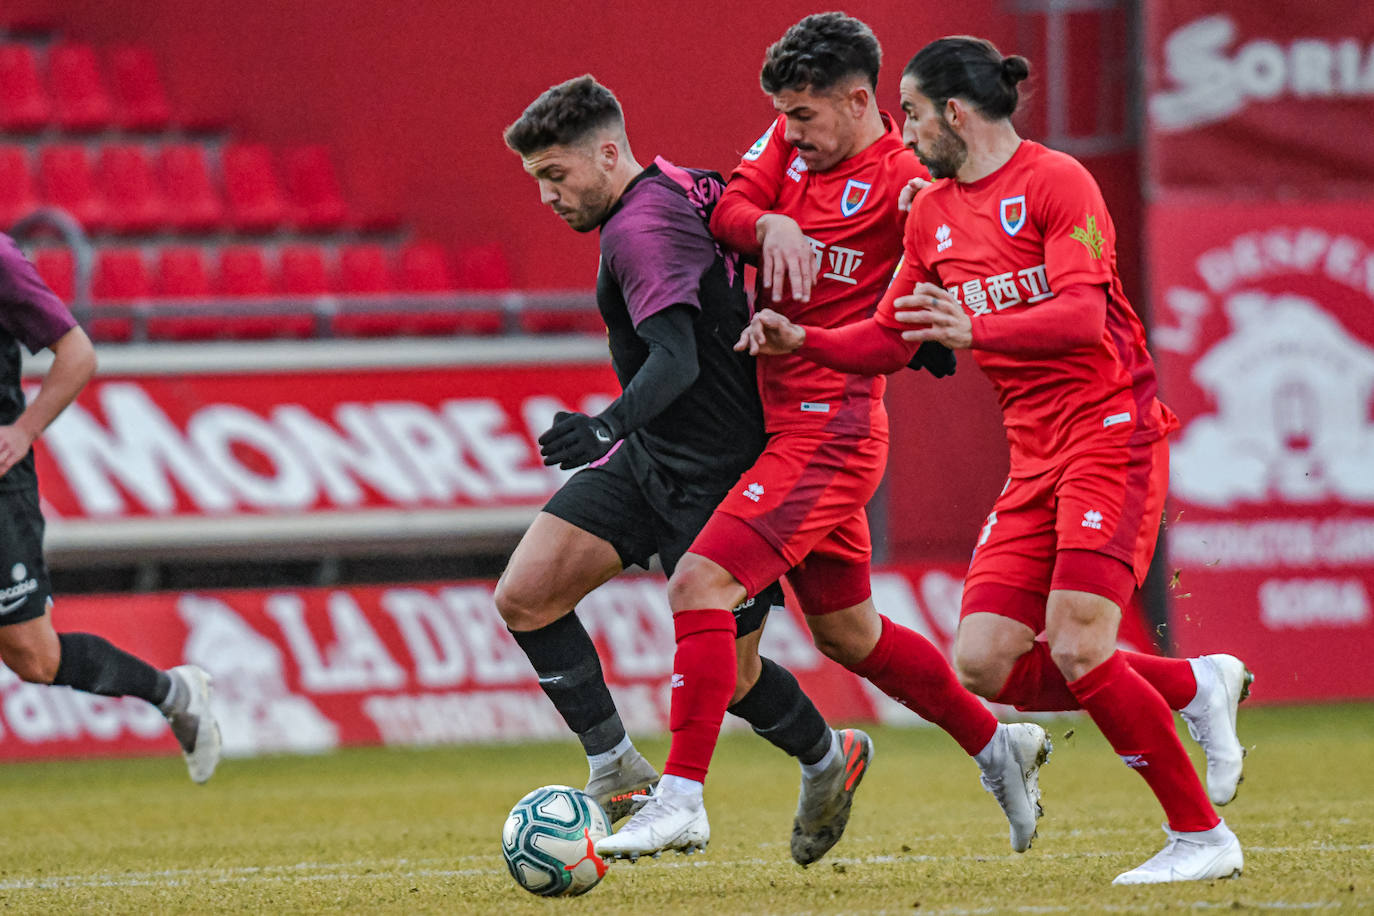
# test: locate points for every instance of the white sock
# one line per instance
(987, 754)
(606, 759)
(1202, 673)
(1217, 836)
(173, 701)
(680, 785)
(811, 770)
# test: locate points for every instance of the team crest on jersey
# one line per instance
(855, 193)
(760, 144)
(1013, 213)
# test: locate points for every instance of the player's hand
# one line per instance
(770, 334)
(935, 358)
(939, 316)
(576, 439)
(787, 260)
(909, 191)
(14, 445)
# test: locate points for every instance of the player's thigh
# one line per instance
(1111, 502)
(803, 487)
(555, 565)
(1013, 559)
(987, 645)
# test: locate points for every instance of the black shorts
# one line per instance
(25, 590)
(638, 506)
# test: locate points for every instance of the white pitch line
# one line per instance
(403, 868)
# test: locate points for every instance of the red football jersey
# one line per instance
(1004, 244)
(849, 214)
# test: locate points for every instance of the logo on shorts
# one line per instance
(678, 680)
(753, 491)
(17, 595)
(1092, 519)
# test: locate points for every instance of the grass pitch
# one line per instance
(397, 831)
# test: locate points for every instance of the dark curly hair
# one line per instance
(564, 114)
(972, 69)
(819, 52)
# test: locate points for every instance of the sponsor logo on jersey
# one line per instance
(855, 193)
(1116, 418)
(1013, 213)
(1092, 519)
(753, 492)
(815, 407)
(794, 171)
(1091, 238)
(760, 144)
(942, 239)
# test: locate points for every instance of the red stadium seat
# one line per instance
(182, 276)
(133, 199)
(140, 100)
(24, 104)
(120, 276)
(64, 171)
(484, 267)
(303, 272)
(79, 99)
(18, 198)
(57, 267)
(181, 273)
(250, 185)
(364, 271)
(317, 204)
(192, 203)
(243, 272)
(423, 268)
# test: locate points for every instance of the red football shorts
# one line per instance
(800, 511)
(1090, 525)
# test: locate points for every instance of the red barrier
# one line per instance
(1264, 340)
(229, 457)
(1248, 98)
(305, 670)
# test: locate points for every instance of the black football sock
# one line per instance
(569, 670)
(97, 666)
(778, 710)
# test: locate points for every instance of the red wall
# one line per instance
(414, 100)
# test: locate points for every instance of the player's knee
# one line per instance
(1075, 657)
(699, 583)
(31, 664)
(519, 607)
(844, 647)
(981, 673)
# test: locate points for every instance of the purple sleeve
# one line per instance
(29, 311)
(658, 249)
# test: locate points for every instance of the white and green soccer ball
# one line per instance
(549, 838)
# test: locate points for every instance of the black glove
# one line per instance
(576, 439)
(935, 358)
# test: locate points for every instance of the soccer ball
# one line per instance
(548, 842)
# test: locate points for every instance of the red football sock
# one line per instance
(703, 681)
(1037, 684)
(907, 667)
(1139, 726)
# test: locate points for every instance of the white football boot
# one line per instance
(823, 807)
(1222, 683)
(193, 723)
(1012, 774)
(667, 820)
(616, 786)
(1199, 856)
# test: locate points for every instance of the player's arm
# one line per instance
(744, 219)
(576, 439)
(862, 348)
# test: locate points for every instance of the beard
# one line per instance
(946, 155)
(592, 211)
